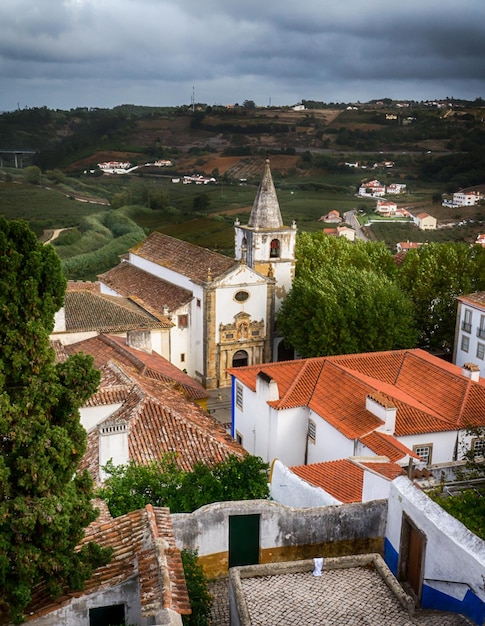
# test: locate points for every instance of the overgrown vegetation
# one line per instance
(162, 483)
(200, 599)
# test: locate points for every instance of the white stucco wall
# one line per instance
(375, 486)
(289, 489)
(172, 276)
(330, 444)
(443, 444)
(454, 555)
(91, 416)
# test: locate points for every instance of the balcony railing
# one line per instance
(466, 326)
(481, 333)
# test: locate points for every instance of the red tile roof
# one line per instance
(477, 299)
(152, 293)
(106, 347)
(429, 393)
(159, 420)
(183, 257)
(138, 551)
(342, 479)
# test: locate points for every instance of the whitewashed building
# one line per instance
(470, 331)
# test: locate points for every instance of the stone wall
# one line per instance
(286, 534)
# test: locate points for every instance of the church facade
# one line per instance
(222, 309)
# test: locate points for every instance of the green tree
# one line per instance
(345, 299)
(32, 175)
(344, 311)
(44, 504)
(433, 276)
(161, 483)
(201, 202)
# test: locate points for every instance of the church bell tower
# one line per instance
(265, 244)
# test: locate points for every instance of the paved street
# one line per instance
(340, 597)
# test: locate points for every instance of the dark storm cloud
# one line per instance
(99, 53)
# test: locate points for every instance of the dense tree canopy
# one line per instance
(433, 276)
(344, 300)
(130, 487)
(44, 505)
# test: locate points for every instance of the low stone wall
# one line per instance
(286, 534)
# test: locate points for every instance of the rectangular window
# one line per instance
(481, 328)
(478, 447)
(183, 321)
(312, 431)
(424, 451)
(239, 396)
(466, 325)
(480, 351)
(239, 438)
(465, 343)
(182, 357)
(198, 303)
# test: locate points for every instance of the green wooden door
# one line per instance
(243, 540)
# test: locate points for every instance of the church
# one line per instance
(222, 310)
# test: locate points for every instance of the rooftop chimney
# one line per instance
(471, 371)
(382, 407)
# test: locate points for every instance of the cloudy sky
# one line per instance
(101, 53)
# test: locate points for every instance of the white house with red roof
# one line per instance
(372, 189)
(470, 331)
(406, 405)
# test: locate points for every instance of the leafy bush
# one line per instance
(200, 599)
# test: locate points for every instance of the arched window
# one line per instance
(240, 358)
(274, 251)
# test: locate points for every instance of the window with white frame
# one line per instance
(478, 446)
(239, 438)
(480, 351)
(239, 396)
(465, 343)
(424, 451)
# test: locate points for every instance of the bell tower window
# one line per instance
(274, 251)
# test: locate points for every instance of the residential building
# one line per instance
(386, 207)
(424, 221)
(470, 331)
(372, 189)
(333, 217)
(395, 188)
(405, 246)
(223, 309)
(466, 198)
(143, 583)
(406, 405)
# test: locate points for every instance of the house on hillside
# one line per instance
(372, 189)
(405, 246)
(424, 221)
(332, 217)
(406, 405)
(386, 208)
(470, 331)
(466, 198)
(144, 582)
(222, 309)
(396, 188)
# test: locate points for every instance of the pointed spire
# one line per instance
(266, 209)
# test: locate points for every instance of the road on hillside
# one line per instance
(351, 218)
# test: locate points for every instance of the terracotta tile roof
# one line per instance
(341, 479)
(430, 394)
(386, 445)
(384, 468)
(154, 294)
(477, 299)
(83, 285)
(106, 347)
(159, 420)
(144, 548)
(183, 257)
(87, 311)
